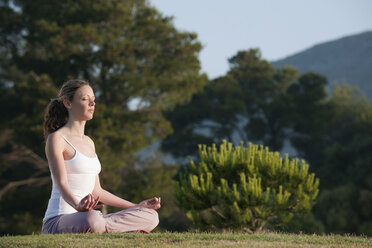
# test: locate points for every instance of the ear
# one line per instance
(67, 104)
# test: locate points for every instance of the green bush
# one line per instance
(244, 188)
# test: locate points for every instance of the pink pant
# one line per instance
(128, 220)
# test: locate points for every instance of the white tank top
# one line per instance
(81, 174)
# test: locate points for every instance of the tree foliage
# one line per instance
(248, 103)
(345, 204)
(245, 188)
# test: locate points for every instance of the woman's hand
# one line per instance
(153, 203)
(88, 203)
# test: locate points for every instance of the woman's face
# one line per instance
(82, 105)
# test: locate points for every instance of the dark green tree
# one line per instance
(333, 134)
(309, 111)
(344, 204)
(248, 103)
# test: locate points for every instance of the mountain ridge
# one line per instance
(347, 59)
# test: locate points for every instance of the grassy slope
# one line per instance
(185, 240)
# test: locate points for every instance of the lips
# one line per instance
(91, 110)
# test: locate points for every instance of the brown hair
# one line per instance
(56, 114)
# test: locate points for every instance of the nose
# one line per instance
(92, 103)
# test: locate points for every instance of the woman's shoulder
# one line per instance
(89, 139)
(55, 138)
(55, 135)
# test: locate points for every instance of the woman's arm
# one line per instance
(54, 148)
(110, 199)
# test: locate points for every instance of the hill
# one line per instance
(347, 59)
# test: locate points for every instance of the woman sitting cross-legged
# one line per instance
(75, 170)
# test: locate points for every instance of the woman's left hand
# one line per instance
(153, 203)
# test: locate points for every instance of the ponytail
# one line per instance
(56, 114)
(55, 117)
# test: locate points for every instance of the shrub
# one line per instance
(244, 188)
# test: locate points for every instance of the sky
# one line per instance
(279, 28)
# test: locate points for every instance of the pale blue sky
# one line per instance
(277, 27)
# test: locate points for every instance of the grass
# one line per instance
(185, 240)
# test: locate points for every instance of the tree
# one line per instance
(310, 108)
(333, 134)
(248, 103)
(245, 188)
(344, 204)
(137, 62)
(209, 117)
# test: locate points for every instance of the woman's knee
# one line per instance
(153, 220)
(96, 222)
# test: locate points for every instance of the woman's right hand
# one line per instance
(88, 203)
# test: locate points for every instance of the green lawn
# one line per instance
(185, 240)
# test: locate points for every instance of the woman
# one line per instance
(75, 169)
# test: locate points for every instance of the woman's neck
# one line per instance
(76, 128)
